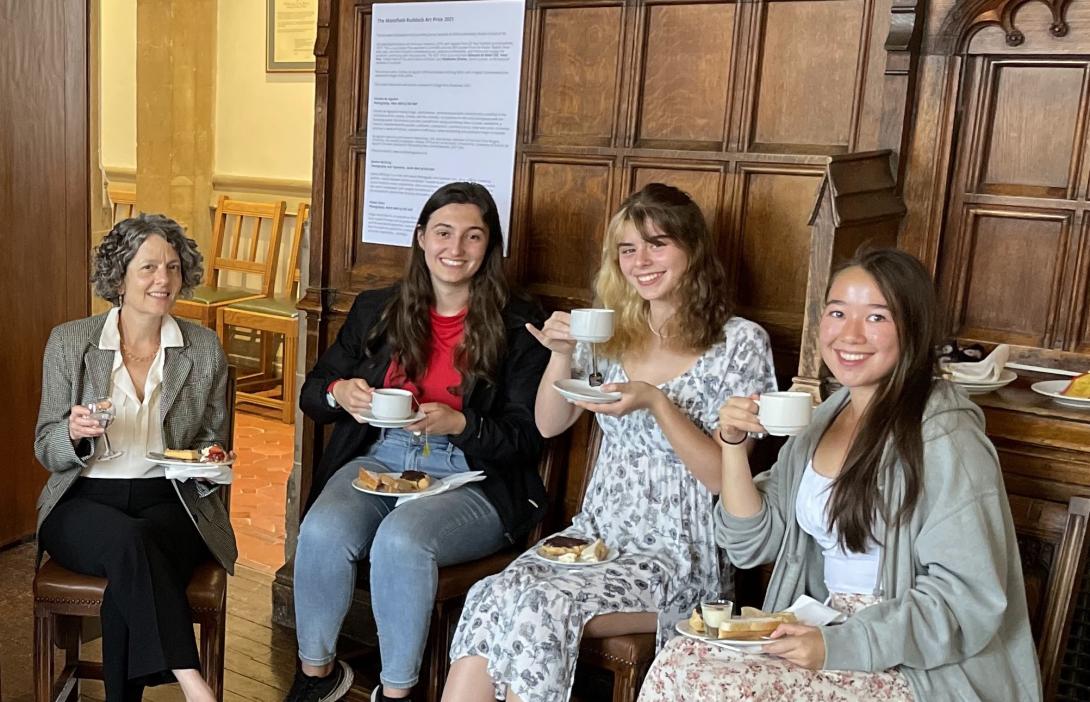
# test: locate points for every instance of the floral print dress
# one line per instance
(688, 669)
(642, 500)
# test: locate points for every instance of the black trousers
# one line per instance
(137, 535)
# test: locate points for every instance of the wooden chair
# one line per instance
(272, 315)
(258, 257)
(63, 598)
(123, 203)
(1052, 544)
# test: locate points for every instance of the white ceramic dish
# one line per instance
(747, 645)
(367, 418)
(436, 486)
(611, 555)
(575, 390)
(1053, 388)
(1006, 377)
(184, 462)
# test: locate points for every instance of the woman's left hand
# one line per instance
(802, 645)
(439, 419)
(635, 395)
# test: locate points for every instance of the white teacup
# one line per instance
(592, 325)
(391, 403)
(785, 413)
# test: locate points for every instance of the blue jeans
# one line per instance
(406, 547)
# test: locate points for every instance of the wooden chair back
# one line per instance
(292, 288)
(242, 243)
(1052, 544)
(123, 203)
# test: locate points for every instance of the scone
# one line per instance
(1078, 387)
(696, 623)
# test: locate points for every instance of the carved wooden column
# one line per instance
(856, 204)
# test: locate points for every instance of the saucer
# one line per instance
(979, 388)
(1053, 388)
(366, 417)
(747, 644)
(575, 390)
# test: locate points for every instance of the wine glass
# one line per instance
(102, 411)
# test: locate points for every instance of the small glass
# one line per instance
(102, 411)
(715, 611)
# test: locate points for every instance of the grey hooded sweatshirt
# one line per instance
(954, 615)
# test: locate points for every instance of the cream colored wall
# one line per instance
(264, 121)
(117, 85)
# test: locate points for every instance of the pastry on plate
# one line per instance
(754, 623)
(557, 546)
(183, 454)
(409, 481)
(1078, 387)
(696, 623)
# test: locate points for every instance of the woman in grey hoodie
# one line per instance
(889, 506)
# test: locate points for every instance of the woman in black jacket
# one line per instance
(453, 335)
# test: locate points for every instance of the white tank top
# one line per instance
(854, 573)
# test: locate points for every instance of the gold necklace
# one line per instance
(658, 332)
(130, 356)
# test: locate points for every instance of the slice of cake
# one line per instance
(183, 454)
(1078, 387)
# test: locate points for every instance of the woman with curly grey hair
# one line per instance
(107, 510)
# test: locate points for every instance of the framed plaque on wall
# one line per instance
(290, 30)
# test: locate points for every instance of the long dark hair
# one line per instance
(406, 321)
(663, 210)
(895, 414)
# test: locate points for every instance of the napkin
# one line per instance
(215, 473)
(812, 613)
(985, 371)
(448, 483)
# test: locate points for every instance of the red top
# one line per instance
(441, 376)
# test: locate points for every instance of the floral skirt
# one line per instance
(688, 669)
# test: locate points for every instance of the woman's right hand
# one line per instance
(738, 417)
(555, 333)
(353, 394)
(82, 426)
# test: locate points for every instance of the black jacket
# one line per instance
(500, 437)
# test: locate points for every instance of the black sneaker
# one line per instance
(332, 687)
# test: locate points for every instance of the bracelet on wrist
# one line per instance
(732, 443)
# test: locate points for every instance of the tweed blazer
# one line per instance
(192, 405)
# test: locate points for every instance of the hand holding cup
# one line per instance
(353, 394)
(738, 417)
(555, 333)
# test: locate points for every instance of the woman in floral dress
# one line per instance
(676, 354)
(890, 505)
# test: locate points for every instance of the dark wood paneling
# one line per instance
(687, 69)
(44, 198)
(703, 182)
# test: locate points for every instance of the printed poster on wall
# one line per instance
(442, 107)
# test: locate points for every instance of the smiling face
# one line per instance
(153, 278)
(454, 243)
(858, 337)
(653, 267)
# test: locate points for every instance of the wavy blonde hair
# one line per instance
(659, 211)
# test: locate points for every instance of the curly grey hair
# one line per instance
(115, 253)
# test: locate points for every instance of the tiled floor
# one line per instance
(265, 448)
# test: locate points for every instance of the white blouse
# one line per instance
(845, 572)
(138, 425)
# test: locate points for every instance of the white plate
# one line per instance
(1006, 377)
(747, 645)
(1052, 388)
(575, 390)
(366, 417)
(184, 462)
(436, 486)
(611, 555)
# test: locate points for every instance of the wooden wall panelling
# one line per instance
(684, 90)
(1079, 329)
(808, 101)
(576, 52)
(567, 202)
(704, 181)
(772, 211)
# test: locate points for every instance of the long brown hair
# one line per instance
(406, 321)
(663, 211)
(894, 416)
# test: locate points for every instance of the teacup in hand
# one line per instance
(592, 325)
(391, 403)
(784, 413)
